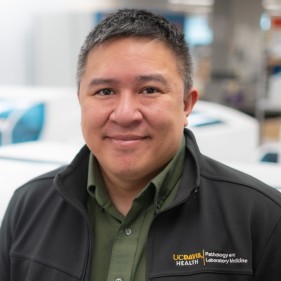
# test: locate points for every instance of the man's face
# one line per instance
(133, 109)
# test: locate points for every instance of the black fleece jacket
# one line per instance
(222, 225)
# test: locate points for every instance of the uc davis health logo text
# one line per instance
(207, 257)
(189, 259)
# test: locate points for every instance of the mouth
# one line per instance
(126, 139)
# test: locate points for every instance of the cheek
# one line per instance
(169, 114)
(85, 115)
(88, 125)
(92, 116)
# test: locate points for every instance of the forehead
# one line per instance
(139, 51)
(128, 62)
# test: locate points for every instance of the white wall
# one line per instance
(21, 53)
(57, 41)
(14, 28)
(40, 40)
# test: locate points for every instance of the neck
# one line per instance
(122, 193)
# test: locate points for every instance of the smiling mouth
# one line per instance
(126, 140)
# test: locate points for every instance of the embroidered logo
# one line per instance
(207, 257)
(189, 259)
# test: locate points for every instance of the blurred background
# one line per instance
(236, 44)
(236, 48)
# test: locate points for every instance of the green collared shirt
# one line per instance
(120, 241)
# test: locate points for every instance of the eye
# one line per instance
(104, 92)
(150, 90)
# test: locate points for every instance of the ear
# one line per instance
(189, 102)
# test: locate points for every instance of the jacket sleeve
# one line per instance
(6, 242)
(269, 266)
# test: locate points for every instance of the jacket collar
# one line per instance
(72, 181)
(190, 181)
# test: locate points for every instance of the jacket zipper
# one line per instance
(193, 192)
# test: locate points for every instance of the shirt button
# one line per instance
(118, 279)
(128, 231)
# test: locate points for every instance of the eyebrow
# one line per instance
(102, 81)
(152, 77)
(141, 78)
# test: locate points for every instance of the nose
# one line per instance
(126, 109)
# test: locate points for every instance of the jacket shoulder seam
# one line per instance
(227, 180)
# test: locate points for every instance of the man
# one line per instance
(140, 202)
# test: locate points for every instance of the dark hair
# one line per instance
(139, 23)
